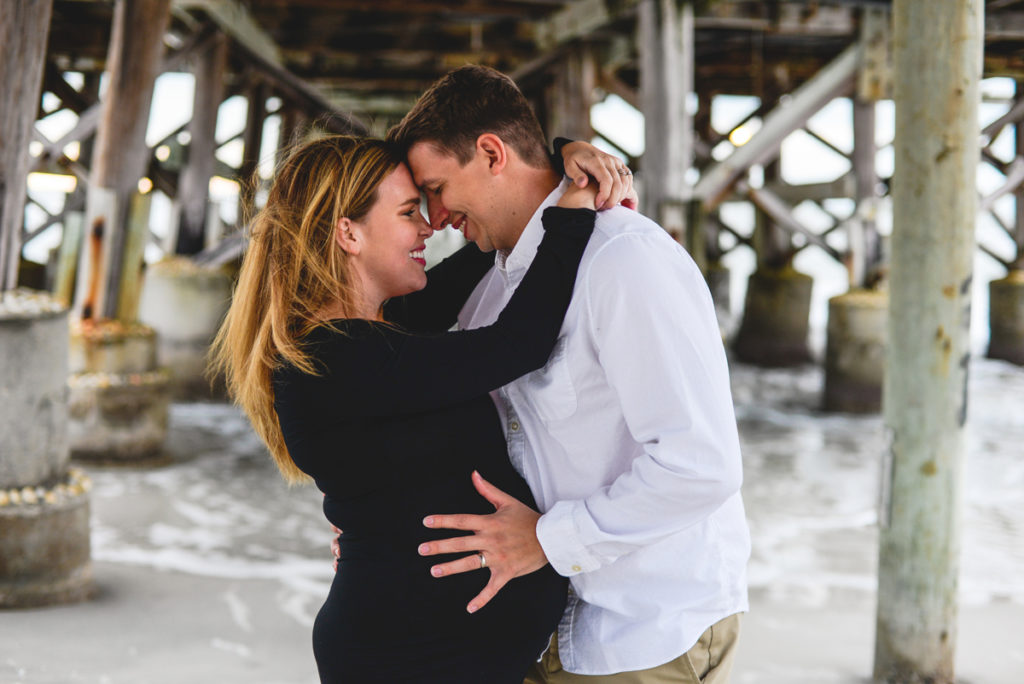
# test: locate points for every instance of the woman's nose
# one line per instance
(425, 229)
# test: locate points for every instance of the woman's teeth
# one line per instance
(416, 254)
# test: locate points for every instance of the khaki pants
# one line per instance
(708, 662)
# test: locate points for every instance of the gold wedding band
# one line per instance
(483, 560)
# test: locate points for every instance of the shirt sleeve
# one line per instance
(394, 372)
(436, 307)
(658, 342)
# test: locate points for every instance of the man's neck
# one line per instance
(534, 185)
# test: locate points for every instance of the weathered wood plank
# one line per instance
(253, 137)
(666, 79)
(194, 183)
(835, 79)
(121, 156)
(571, 95)
(235, 19)
(1018, 223)
(578, 19)
(865, 244)
(23, 32)
(782, 215)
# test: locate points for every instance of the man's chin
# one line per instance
(480, 242)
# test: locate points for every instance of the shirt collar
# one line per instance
(513, 264)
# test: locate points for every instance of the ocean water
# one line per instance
(811, 490)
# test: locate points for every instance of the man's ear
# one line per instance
(347, 236)
(494, 151)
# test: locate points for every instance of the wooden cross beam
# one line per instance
(234, 19)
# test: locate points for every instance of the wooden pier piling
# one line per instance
(24, 25)
(120, 155)
(665, 41)
(193, 189)
(925, 389)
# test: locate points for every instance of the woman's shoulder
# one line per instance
(318, 343)
(345, 343)
(349, 332)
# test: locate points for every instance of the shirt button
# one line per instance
(577, 568)
(514, 426)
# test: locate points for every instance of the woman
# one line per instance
(389, 414)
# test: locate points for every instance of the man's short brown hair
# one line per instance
(466, 103)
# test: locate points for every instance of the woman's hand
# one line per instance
(579, 197)
(335, 547)
(583, 161)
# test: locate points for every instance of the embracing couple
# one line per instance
(531, 447)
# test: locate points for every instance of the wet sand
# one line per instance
(211, 570)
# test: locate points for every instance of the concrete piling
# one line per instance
(185, 304)
(44, 506)
(855, 351)
(1006, 318)
(119, 398)
(717, 277)
(775, 319)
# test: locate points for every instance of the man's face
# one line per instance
(458, 195)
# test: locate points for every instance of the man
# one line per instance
(627, 437)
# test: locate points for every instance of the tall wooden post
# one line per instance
(24, 25)
(857, 329)
(865, 246)
(193, 190)
(873, 84)
(771, 242)
(1018, 226)
(120, 156)
(1006, 295)
(776, 310)
(666, 79)
(253, 139)
(71, 236)
(293, 123)
(937, 55)
(572, 95)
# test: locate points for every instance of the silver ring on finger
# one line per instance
(625, 172)
(483, 560)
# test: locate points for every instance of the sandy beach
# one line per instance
(210, 570)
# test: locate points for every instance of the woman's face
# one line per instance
(392, 239)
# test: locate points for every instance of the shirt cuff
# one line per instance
(559, 537)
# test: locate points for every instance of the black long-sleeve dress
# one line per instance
(390, 431)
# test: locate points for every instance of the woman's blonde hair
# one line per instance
(292, 270)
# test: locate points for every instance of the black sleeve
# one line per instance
(436, 307)
(394, 372)
(557, 160)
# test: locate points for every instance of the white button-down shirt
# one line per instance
(628, 440)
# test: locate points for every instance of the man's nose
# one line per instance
(437, 213)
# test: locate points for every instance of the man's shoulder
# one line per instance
(618, 220)
(623, 236)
